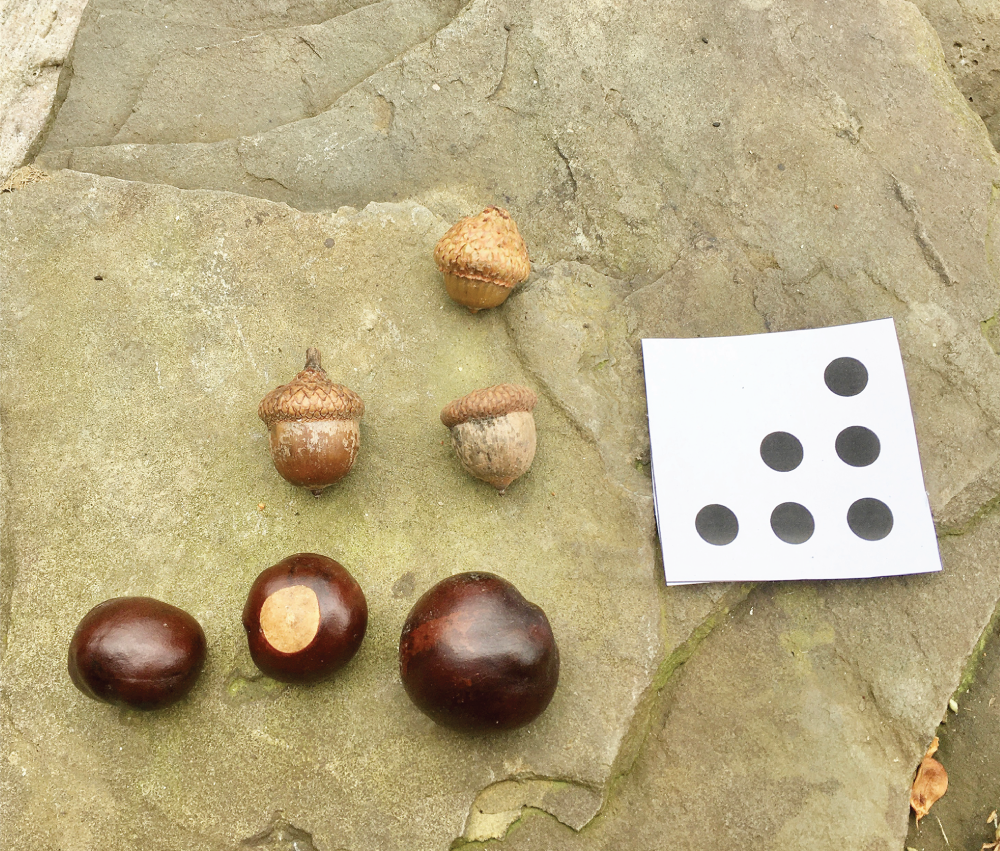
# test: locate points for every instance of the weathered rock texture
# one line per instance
(970, 36)
(676, 169)
(134, 434)
(35, 39)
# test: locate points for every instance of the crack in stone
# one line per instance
(506, 59)
(975, 660)
(990, 329)
(980, 514)
(281, 835)
(500, 805)
(934, 259)
(240, 151)
(569, 167)
(301, 39)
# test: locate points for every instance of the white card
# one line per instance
(786, 456)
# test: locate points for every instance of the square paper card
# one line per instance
(786, 456)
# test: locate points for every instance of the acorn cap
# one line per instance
(495, 401)
(311, 396)
(486, 247)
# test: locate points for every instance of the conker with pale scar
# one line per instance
(305, 617)
(475, 655)
(313, 426)
(136, 652)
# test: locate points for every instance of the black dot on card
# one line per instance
(781, 451)
(858, 446)
(717, 525)
(846, 376)
(870, 519)
(792, 523)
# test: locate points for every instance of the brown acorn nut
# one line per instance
(482, 259)
(314, 427)
(493, 432)
(136, 652)
(475, 655)
(305, 617)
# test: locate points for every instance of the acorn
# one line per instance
(482, 259)
(305, 617)
(493, 432)
(475, 655)
(314, 427)
(136, 652)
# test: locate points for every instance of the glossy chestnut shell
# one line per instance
(475, 655)
(305, 617)
(136, 652)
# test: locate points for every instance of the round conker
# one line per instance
(305, 617)
(475, 655)
(137, 652)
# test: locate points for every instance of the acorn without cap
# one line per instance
(314, 427)
(482, 259)
(493, 432)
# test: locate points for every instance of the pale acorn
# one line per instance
(493, 432)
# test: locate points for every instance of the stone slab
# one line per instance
(703, 168)
(142, 326)
(35, 38)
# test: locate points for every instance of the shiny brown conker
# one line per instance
(305, 617)
(475, 655)
(137, 652)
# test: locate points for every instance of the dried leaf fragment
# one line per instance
(995, 845)
(930, 784)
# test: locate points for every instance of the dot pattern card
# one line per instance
(786, 456)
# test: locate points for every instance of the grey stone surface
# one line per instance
(189, 82)
(35, 38)
(968, 748)
(816, 697)
(116, 51)
(710, 168)
(207, 94)
(970, 37)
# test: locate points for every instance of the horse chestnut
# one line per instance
(305, 617)
(137, 652)
(475, 655)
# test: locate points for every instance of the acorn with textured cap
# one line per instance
(482, 259)
(493, 432)
(314, 427)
